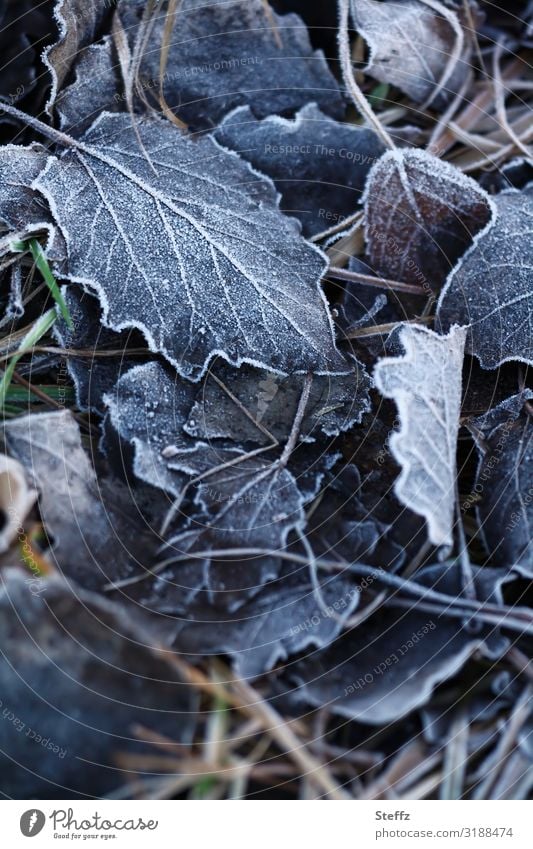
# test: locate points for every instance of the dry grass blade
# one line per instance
(355, 92)
(170, 21)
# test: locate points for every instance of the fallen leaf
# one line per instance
(410, 46)
(148, 408)
(252, 405)
(20, 206)
(318, 165)
(95, 89)
(79, 23)
(389, 666)
(92, 540)
(255, 58)
(421, 215)
(92, 373)
(188, 255)
(426, 387)
(490, 290)
(285, 619)
(504, 483)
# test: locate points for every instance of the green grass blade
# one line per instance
(42, 264)
(39, 329)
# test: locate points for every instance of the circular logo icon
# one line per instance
(32, 822)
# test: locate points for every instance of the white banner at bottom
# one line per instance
(269, 824)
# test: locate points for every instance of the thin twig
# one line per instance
(377, 282)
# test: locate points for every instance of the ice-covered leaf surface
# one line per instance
(421, 215)
(93, 370)
(187, 254)
(78, 23)
(253, 57)
(148, 408)
(318, 165)
(95, 88)
(20, 207)
(410, 44)
(504, 483)
(285, 619)
(77, 675)
(491, 290)
(201, 480)
(426, 387)
(253, 405)
(390, 665)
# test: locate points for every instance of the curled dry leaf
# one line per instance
(79, 23)
(421, 215)
(318, 165)
(189, 254)
(426, 386)
(412, 46)
(77, 674)
(16, 500)
(491, 289)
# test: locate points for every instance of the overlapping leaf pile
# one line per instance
(252, 287)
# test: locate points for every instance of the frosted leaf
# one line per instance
(491, 290)
(148, 408)
(81, 673)
(503, 489)
(285, 619)
(426, 387)
(390, 665)
(20, 206)
(189, 255)
(270, 403)
(254, 504)
(79, 23)
(239, 501)
(92, 540)
(318, 165)
(92, 374)
(94, 90)
(230, 53)
(421, 215)
(410, 44)
(224, 582)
